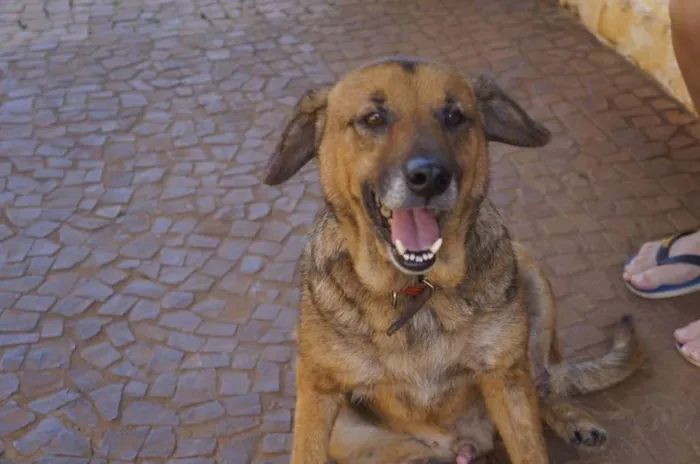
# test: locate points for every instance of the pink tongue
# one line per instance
(415, 227)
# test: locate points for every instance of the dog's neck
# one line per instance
(487, 262)
(415, 291)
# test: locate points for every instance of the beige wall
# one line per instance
(639, 30)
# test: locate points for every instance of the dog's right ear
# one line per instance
(300, 138)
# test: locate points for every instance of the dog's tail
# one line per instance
(562, 377)
(623, 359)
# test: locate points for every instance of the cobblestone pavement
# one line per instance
(148, 282)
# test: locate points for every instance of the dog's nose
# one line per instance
(427, 176)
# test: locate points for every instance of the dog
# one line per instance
(424, 329)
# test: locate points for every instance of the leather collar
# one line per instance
(420, 293)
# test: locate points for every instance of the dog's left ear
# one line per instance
(504, 120)
(300, 138)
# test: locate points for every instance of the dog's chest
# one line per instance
(425, 374)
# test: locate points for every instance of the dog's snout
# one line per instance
(427, 176)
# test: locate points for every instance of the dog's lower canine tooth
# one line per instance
(385, 211)
(400, 247)
(436, 246)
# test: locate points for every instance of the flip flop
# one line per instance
(663, 258)
(687, 357)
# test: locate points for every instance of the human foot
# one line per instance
(688, 341)
(663, 268)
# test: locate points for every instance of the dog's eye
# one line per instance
(454, 117)
(375, 119)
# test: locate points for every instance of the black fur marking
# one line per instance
(544, 388)
(326, 270)
(512, 289)
(330, 263)
(362, 405)
(329, 213)
(347, 298)
(406, 400)
(341, 330)
(599, 437)
(378, 97)
(453, 373)
(407, 65)
(577, 438)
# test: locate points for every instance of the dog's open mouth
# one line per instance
(412, 234)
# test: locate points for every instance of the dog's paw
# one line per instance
(588, 435)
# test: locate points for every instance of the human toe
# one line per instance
(692, 349)
(688, 333)
(673, 274)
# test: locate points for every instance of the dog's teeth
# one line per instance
(436, 246)
(419, 259)
(411, 257)
(400, 247)
(406, 256)
(385, 211)
(426, 256)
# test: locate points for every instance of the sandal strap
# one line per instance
(682, 259)
(662, 255)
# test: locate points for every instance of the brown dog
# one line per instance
(423, 327)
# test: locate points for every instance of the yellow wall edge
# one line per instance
(639, 30)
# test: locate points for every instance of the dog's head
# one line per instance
(401, 147)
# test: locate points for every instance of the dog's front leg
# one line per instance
(512, 402)
(313, 419)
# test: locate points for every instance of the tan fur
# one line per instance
(482, 353)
